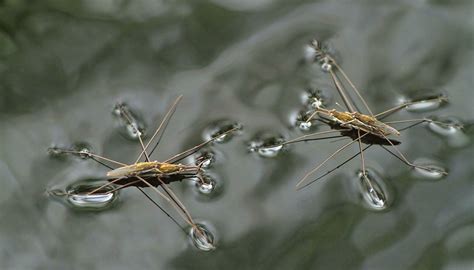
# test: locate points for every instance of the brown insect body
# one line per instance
(142, 167)
(366, 123)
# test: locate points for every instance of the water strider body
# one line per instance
(360, 127)
(355, 120)
(153, 167)
(154, 174)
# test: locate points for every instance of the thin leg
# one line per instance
(335, 168)
(312, 134)
(343, 95)
(405, 160)
(324, 162)
(194, 149)
(161, 208)
(163, 124)
(105, 185)
(68, 151)
(364, 171)
(351, 84)
(127, 117)
(184, 215)
(404, 105)
(177, 206)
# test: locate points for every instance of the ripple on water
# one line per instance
(217, 129)
(77, 195)
(202, 237)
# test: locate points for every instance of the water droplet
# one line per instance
(202, 237)
(450, 128)
(131, 125)
(218, 129)
(428, 169)
(427, 103)
(373, 190)
(267, 146)
(77, 195)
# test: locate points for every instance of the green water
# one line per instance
(65, 64)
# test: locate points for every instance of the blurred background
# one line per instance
(64, 65)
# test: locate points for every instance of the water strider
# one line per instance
(152, 174)
(363, 128)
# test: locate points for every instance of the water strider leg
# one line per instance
(161, 208)
(89, 154)
(405, 160)
(127, 117)
(343, 95)
(162, 126)
(183, 213)
(364, 171)
(300, 138)
(351, 84)
(195, 148)
(298, 185)
(388, 112)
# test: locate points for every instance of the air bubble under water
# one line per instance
(77, 195)
(202, 237)
(373, 190)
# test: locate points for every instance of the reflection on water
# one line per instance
(64, 67)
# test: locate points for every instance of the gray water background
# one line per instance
(65, 64)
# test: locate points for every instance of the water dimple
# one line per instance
(315, 98)
(430, 170)
(79, 149)
(301, 120)
(326, 66)
(202, 237)
(207, 186)
(130, 124)
(373, 190)
(78, 195)
(83, 150)
(267, 145)
(451, 129)
(220, 130)
(204, 158)
(427, 103)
